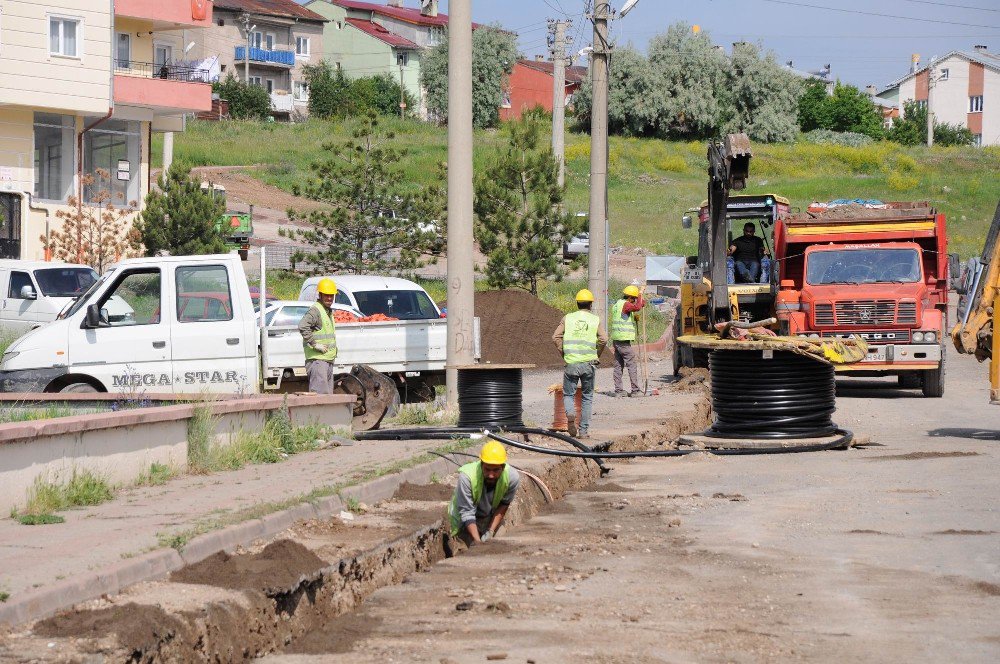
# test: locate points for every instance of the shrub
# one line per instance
(828, 136)
(246, 101)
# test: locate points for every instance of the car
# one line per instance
(578, 245)
(283, 313)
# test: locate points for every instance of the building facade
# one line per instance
(966, 91)
(530, 85)
(80, 90)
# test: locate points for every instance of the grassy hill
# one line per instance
(651, 182)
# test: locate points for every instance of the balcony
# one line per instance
(167, 14)
(259, 56)
(282, 102)
(167, 89)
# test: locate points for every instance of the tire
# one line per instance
(244, 254)
(675, 355)
(933, 386)
(79, 388)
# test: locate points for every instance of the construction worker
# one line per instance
(484, 492)
(581, 339)
(624, 314)
(319, 338)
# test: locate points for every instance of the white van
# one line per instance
(391, 296)
(34, 292)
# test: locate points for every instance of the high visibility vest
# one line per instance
(622, 324)
(326, 335)
(474, 471)
(580, 337)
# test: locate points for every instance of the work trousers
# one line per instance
(320, 374)
(625, 356)
(584, 374)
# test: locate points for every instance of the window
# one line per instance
(123, 50)
(286, 316)
(402, 58)
(402, 304)
(302, 47)
(134, 300)
(977, 140)
(269, 84)
(943, 75)
(203, 294)
(54, 156)
(114, 147)
(256, 80)
(921, 103)
(19, 280)
(65, 281)
(976, 104)
(64, 36)
(863, 266)
(435, 35)
(300, 91)
(163, 55)
(262, 40)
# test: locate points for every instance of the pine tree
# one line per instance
(180, 219)
(521, 227)
(374, 222)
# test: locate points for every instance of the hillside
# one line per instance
(651, 182)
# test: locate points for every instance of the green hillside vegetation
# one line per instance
(651, 182)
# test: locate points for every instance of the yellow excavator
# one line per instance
(979, 308)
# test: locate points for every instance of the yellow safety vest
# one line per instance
(580, 337)
(327, 335)
(474, 471)
(622, 324)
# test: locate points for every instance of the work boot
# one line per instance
(584, 434)
(621, 393)
(571, 424)
(635, 393)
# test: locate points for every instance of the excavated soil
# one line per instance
(691, 379)
(139, 628)
(423, 492)
(277, 568)
(915, 456)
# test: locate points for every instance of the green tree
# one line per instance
(760, 97)
(520, 226)
(632, 96)
(246, 101)
(329, 91)
(180, 218)
(494, 53)
(911, 128)
(847, 109)
(374, 222)
(814, 107)
(333, 95)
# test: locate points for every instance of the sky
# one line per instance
(861, 48)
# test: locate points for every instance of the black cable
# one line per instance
(784, 396)
(490, 398)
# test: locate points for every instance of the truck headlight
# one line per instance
(918, 337)
(930, 337)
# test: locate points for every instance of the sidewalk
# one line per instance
(146, 519)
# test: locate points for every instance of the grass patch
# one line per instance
(352, 504)
(83, 488)
(411, 414)
(157, 475)
(21, 414)
(4, 595)
(38, 519)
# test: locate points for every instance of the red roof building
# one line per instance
(530, 85)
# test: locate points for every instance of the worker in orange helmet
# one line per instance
(319, 338)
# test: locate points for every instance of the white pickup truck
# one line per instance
(194, 330)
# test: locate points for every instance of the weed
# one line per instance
(412, 414)
(435, 478)
(38, 519)
(83, 488)
(157, 475)
(201, 432)
(352, 504)
(21, 414)
(4, 595)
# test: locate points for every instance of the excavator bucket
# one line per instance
(376, 395)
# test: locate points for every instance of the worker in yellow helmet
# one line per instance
(624, 314)
(319, 338)
(484, 492)
(581, 339)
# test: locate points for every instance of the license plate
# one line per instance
(876, 354)
(412, 374)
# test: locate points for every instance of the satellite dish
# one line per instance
(627, 8)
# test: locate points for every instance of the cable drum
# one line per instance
(490, 398)
(784, 396)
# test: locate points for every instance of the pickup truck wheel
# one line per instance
(78, 388)
(934, 380)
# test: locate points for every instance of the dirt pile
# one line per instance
(277, 568)
(139, 628)
(423, 492)
(690, 379)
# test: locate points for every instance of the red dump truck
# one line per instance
(880, 273)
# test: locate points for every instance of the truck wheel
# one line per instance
(675, 356)
(910, 380)
(78, 388)
(934, 380)
(244, 254)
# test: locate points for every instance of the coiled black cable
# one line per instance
(490, 398)
(784, 396)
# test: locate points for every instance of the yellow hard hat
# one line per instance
(327, 287)
(631, 291)
(584, 295)
(493, 453)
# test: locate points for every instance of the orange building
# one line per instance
(530, 85)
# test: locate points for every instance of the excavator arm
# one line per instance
(975, 333)
(728, 168)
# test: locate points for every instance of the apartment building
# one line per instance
(80, 90)
(966, 91)
(530, 85)
(265, 42)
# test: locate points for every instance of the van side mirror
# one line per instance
(95, 318)
(28, 293)
(686, 221)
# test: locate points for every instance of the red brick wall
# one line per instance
(529, 88)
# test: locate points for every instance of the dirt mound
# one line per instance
(140, 628)
(516, 328)
(691, 378)
(275, 569)
(424, 492)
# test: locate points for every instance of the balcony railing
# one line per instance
(260, 55)
(282, 102)
(168, 72)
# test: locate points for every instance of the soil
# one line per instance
(276, 568)
(423, 492)
(690, 379)
(914, 456)
(606, 487)
(139, 628)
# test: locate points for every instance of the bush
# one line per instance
(830, 137)
(246, 101)
(333, 95)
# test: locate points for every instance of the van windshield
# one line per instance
(65, 281)
(863, 266)
(76, 304)
(402, 304)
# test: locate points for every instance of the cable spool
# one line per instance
(490, 397)
(784, 396)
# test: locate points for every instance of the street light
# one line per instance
(627, 8)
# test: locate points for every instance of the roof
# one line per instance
(381, 33)
(408, 14)
(988, 60)
(573, 74)
(280, 8)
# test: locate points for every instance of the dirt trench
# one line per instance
(238, 607)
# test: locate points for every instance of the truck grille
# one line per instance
(907, 313)
(824, 315)
(866, 312)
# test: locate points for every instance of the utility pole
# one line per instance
(245, 20)
(461, 280)
(168, 154)
(558, 28)
(597, 256)
(402, 94)
(930, 110)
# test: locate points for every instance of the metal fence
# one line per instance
(165, 71)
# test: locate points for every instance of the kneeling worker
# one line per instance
(319, 338)
(484, 491)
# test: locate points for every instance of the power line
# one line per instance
(946, 4)
(864, 13)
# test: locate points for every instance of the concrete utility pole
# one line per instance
(168, 154)
(930, 109)
(245, 20)
(597, 258)
(402, 93)
(558, 28)
(461, 284)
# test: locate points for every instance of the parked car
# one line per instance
(390, 296)
(281, 313)
(578, 245)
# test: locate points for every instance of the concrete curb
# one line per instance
(155, 565)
